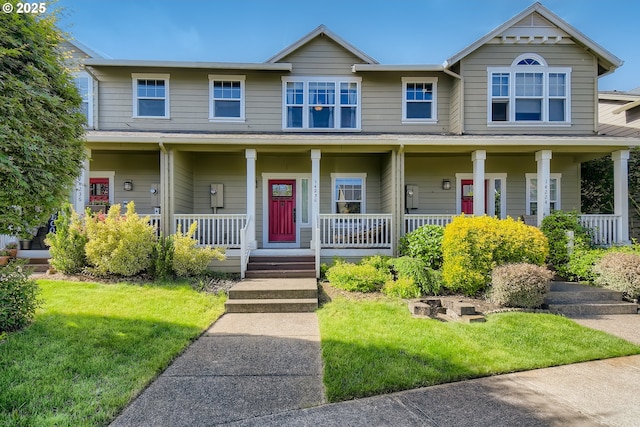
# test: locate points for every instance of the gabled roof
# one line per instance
(606, 60)
(321, 31)
(85, 49)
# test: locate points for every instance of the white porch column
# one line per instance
(315, 193)
(251, 156)
(621, 192)
(543, 180)
(80, 191)
(478, 157)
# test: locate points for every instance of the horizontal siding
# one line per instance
(583, 79)
(322, 57)
(183, 183)
(226, 169)
(626, 123)
(143, 169)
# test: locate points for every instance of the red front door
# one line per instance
(467, 195)
(98, 190)
(282, 210)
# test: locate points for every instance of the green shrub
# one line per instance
(519, 285)
(356, 277)
(425, 243)
(18, 296)
(378, 261)
(581, 262)
(188, 259)
(119, 244)
(620, 272)
(473, 246)
(427, 279)
(555, 227)
(402, 287)
(67, 244)
(162, 258)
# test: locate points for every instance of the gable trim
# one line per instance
(321, 30)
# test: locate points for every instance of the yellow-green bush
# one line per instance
(364, 277)
(402, 287)
(473, 246)
(119, 244)
(189, 260)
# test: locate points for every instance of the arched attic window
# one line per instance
(529, 92)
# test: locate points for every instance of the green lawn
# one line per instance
(93, 347)
(374, 347)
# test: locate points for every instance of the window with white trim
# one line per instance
(84, 84)
(348, 195)
(529, 92)
(150, 95)
(321, 103)
(419, 100)
(226, 98)
(532, 192)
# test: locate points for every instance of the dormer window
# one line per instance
(529, 92)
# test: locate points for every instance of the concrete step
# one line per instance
(254, 274)
(244, 294)
(298, 305)
(280, 258)
(591, 295)
(262, 265)
(601, 308)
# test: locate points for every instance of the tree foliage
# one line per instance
(41, 128)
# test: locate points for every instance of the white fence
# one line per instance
(413, 221)
(356, 230)
(213, 230)
(604, 228)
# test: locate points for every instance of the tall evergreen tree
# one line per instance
(41, 128)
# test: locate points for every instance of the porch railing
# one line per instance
(356, 230)
(604, 228)
(154, 220)
(214, 230)
(413, 221)
(245, 250)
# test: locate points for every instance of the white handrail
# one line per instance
(213, 229)
(604, 228)
(413, 221)
(245, 251)
(356, 230)
(316, 246)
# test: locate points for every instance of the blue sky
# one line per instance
(391, 31)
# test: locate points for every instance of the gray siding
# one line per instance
(182, 183)
(455, 106)
(387, 184)
(321, 57)
(583, 86)
(365, 163)
(626, 123)
(216, 168)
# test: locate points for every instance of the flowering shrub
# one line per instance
(473, 246)
(425, 243)
(18, 296)
(119, 244)
(189, 260)
(402, 287)
(619, 272)
(519, 285)
(67, 244)
(357, 277)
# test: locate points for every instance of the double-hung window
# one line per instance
(419, 100)
(348, 193)
(529, 92)
(532, 192)
(84, 84)
(226, 98)
(321, 103)
(151, 95)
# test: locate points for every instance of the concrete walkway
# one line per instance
(266, 370)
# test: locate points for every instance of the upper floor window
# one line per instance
(529, 92)
(419, 100)
(321, 103)
(84, 83)
(151, 95)
(226, 98)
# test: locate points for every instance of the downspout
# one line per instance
(461, 113)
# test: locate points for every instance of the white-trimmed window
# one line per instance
(150, 95)
(529, 92)
(532, 192)
(226, 98)
(321, 103)
(84, 83)
(348, 194)
(419, 100)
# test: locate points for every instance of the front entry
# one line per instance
(467, 195)
(282, 210)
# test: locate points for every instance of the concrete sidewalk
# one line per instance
(266, 370)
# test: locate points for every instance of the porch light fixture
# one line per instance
(128, 185)
(446, 184)
(153, 190)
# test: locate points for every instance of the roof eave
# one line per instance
(395, 67)
(282, 66)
